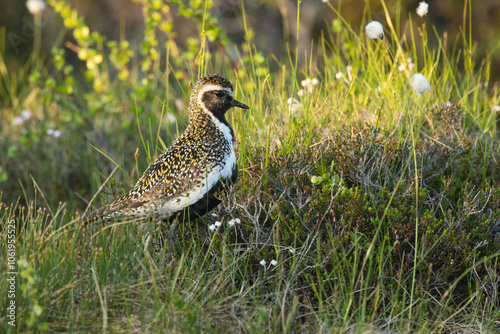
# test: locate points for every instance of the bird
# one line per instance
(184, 180)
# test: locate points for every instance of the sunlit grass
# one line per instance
(379, 206)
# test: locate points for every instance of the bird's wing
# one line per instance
(174, 172)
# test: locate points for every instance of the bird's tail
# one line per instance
(96, 215)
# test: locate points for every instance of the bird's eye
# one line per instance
(220, 93)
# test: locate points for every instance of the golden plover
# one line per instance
(183, 181)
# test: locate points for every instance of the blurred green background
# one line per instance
(274, 23)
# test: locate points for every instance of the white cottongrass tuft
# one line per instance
(420, 84)
(26, 115)
(35, 6)
(309, 84)
(274, 262)
(171, 117)
(212, 227)
(18, 120)
(349, 72)
(293, 104)
(374, 30)
(54, 133)
(411, 64)
(401, 67)
(339, 75)
(263, 263)
(422, 9)
(234, 221)
(179, 104)
(217, 223)
(496, 108)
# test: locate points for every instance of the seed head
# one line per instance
(35, 6)
(374, 30)
(420, 84)
(422, 9)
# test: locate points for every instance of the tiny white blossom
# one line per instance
(379, 89)
(35, 6)
(325, 1)
(263, 263)
(422, 9)
(411, 65)
(18, 120)
(309, 84)
(179, 103)
(448, 104)
(217, 223)
(50, 132)
(339, 75)
(26, 114)
(401, 67)
(57, 134)
(274, 262)
(234, 221)
(496, 108)
(212, 227)
(300, 92)
(294, 104)
(171, 117)
(420, 84)
(374, 30)
(349, 72)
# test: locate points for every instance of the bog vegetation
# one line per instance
(360, 206)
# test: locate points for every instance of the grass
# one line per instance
(380, 207)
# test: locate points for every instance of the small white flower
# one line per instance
(422, 9)
(411, 65)
(57, 134)
(18, 120)
(50, 132)
(379, 89)
(309, 84)
(212, 227)
(300, 92)
(217, 223)
(171, 117)
(401, 67)
(35, 6)
(420, 84)
(349, 72)
(274, 262)
(234, 221)
(339, 75)
(374, 30)
(448, 104)
(294, 104)
(26, 114)
(179, 103)
(263, 263)
(325, 1)
(496, 108)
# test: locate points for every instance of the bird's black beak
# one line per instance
(236, 103)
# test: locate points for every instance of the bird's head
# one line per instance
(213, 95)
